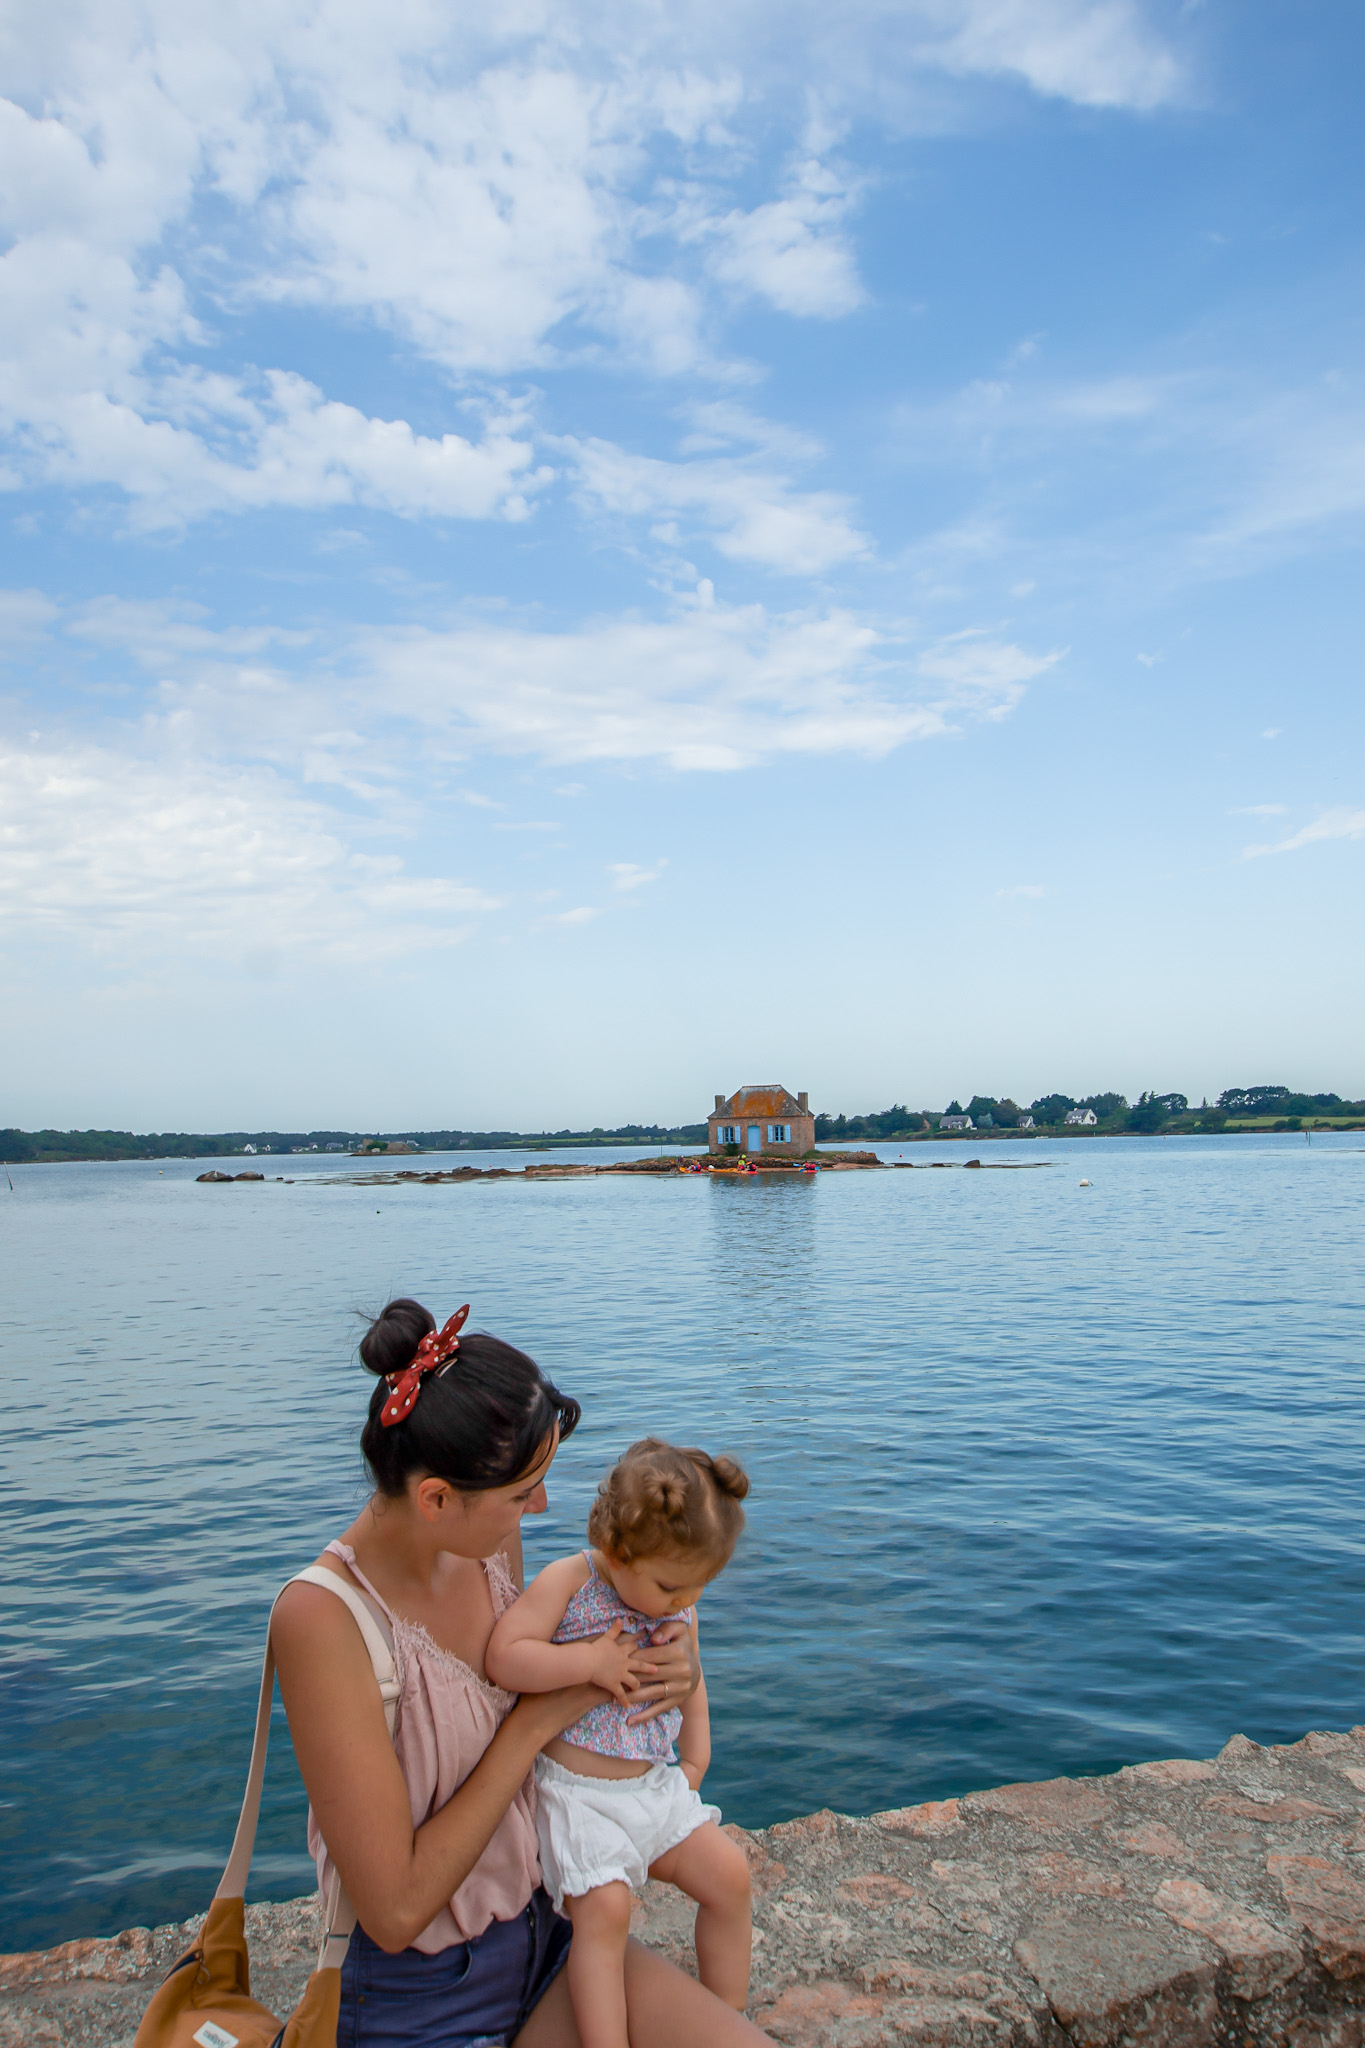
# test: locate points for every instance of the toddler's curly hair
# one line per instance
(659, 1498)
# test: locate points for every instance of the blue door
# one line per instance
(754, 1138)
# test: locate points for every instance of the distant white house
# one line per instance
(1026, 1122)
(251, 1149)
(1080, 1116)
(955, 1123)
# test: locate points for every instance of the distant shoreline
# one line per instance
(1051, 1133)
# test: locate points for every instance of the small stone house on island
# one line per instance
(765, 1117)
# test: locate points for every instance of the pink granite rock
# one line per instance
(1171, 1905)
(1122, 1981)
(1330, 1903)
(1172, 1770)
(1260, 1959)
(1051, 1803)
(933, 1817)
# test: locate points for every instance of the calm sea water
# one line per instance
(1046, 1479)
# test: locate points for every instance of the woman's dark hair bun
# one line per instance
(481, 1421)
(391, 1341)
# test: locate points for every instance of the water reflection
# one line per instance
(763, 1250)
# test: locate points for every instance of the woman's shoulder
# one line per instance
(302, 1605)
(307, 1617)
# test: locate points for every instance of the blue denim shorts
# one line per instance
(478, 1994)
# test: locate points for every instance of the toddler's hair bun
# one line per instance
(731, 1478)
(660, 1498)
(666, 1494)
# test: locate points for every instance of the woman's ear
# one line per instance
(431, 1497)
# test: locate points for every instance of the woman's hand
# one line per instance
(668, 1668)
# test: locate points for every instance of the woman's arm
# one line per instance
(398, 1877)
(694, 1737)
(521, 1657)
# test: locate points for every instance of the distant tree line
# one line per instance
(1112, 1112)
(19, 1147)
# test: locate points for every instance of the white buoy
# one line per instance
(1084, 1183)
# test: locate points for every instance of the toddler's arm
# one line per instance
(521, 1658)
(694, 1737)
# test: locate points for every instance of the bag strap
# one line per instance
(340, 1912)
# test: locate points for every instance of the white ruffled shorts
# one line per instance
(597, 1831)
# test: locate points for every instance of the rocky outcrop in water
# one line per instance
(1175, 1904)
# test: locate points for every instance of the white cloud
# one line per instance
(712, 687)
(1101, 53)
(488, 189)
(985, 674)
(583, 915)
(130, 855)
(1200, 472)
(1258, 811)
(792, 250)
(707, 686)
(159, 634)
(286, 445)
(719, 422)
(628, 876)
(24, 618)
(1095, 52)
(752, 514)
(1338, 823)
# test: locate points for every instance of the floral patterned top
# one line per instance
(594, 1608)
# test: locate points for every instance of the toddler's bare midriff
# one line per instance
(588, 1764)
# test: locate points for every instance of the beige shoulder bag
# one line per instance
(206, 2000)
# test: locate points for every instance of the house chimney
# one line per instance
(720, 1102)
(803, 1102)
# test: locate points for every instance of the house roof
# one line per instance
(761, 1098)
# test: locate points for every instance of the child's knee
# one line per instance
(722, 1876)
(732, 1873)
(604, 1911)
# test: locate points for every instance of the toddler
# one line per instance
(615, 1804)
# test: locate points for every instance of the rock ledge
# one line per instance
(1175, 1903)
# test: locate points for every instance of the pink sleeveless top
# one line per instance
(447, 1716)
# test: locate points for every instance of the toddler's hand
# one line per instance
(611, 1665)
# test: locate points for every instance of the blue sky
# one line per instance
(559, 559)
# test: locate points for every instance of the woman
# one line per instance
(432, 1830)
